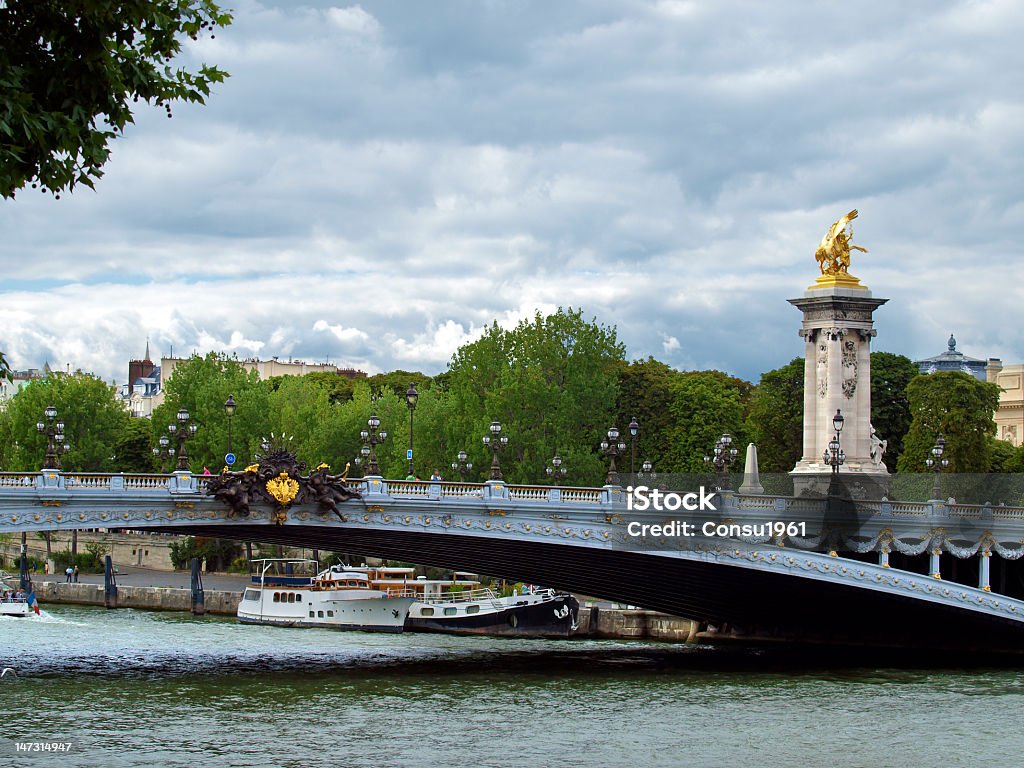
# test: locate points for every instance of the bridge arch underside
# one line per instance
(750, 601)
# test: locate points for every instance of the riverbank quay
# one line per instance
(145, 598)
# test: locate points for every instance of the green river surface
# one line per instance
(140, 688)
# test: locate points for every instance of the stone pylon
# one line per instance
(837, 329)
(751, 478)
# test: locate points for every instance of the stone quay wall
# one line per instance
(148, 598)
(635, 624)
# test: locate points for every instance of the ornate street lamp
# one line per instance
(647, 471)
(229, 409)
(612, 447)
(184, 431)
(496, 442)
(634, 430)
(936, 463)
(411, 396)
(722, 458)
(462, 466)
(54, 431)
(834, 455)
(164, 452)
(371, 439)
(555, 470)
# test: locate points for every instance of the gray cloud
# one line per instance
(377, 182)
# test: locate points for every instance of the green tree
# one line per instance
(201, 385)
(133, 447)
(960, 408)
(645, 393)
(551, 382)
(706, 404)
(890, 409)
(1003, 455)
(776, 421)
(70, 71)
(93, 417)
(1015, 463)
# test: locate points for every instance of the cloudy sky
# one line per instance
(377, 182)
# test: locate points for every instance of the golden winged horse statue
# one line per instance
(833, 254)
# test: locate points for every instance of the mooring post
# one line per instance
(109, 583)
(198, 598)
(25, 580)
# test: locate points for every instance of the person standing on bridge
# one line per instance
(76, 574)
(68, 572)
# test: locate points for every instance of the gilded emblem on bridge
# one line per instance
(278, 480)
(283, 488)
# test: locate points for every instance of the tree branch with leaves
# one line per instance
(70, 71)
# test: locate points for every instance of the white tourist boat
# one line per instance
(338, 597)
(13, 602)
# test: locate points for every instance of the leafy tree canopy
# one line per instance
(645, 393)
(551, 382)
(201, 385)
(776, 420)
(890, 409)
(960, 408)
(70, 70)
(94, 421)
(706, 404)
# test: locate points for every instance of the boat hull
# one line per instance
(331, 610)
(554, 618)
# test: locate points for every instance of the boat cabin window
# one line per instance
(426, 612)
(472, 609)
(277, 597)
(311, 614)
(319, 614)
(251, 594)
(330, 613)
(450, 611)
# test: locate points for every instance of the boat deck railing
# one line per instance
(465, 596)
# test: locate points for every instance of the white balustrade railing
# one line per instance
(528, 492)
(18, 479)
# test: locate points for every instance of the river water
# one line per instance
(133, 688)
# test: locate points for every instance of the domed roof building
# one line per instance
(952, 360)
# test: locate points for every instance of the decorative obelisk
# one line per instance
(837, 329)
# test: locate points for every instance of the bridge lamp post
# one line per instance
(164, 452)
(555, 470)
(647, 471)
(634, 430)
(229, 409)
(53, 428)
(722, 458)
(496, 442)
(411, 396)
(371, 439)
(462, 466)
(936, 464)
(184, 430)
(834, 455)
(612, 448)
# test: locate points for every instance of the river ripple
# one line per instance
(132, 688)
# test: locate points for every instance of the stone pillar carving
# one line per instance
(837, 328)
